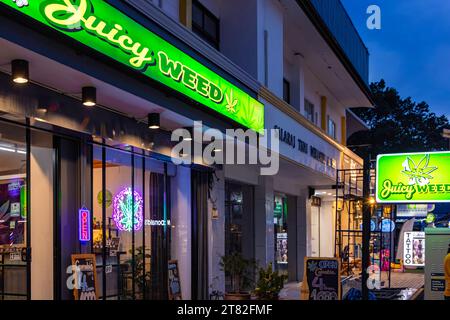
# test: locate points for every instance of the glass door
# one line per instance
(13, 213)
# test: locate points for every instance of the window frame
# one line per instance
(311, 117)
(286, 90)
(331, 124)
(200, 29)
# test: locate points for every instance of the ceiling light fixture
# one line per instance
(154, 121)
(89, 96)
(20, 71)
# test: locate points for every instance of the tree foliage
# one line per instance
(398, 125)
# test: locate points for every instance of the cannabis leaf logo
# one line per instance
(420, 173)
(231, 102)
(21, 3)
(312, 266)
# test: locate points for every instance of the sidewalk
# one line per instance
(291, 290)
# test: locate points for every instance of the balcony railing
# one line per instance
(341, 26)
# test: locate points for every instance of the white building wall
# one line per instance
(170, 7)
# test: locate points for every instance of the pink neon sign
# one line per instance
(84, 225)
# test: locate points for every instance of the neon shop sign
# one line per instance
(84, 225)
(413, 178)
(95, 23)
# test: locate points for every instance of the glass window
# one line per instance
(13, 212)
(331, 128)
(239, 221)
(309, 111)
(286, 91)
(205, 24)
(135, 227)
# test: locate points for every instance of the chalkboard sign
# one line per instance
(321, 279)
(174, 281)
(85, 277)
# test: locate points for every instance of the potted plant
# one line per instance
(240, 270)
(269, 283)
(140, 276)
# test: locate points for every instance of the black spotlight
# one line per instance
(19, 71)
(153, 121)
(89, 96)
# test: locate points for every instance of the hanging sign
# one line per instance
(321, 279)
(100, 26)
(84, 225)
(413, 178)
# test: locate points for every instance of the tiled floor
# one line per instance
(405, 280)
(291, 291)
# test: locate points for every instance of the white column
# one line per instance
(41, 223)
(181, 223)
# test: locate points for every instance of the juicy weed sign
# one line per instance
(98, 25)
(413, 178)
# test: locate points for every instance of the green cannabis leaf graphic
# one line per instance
(420, 173)
(252, 117)
(231, 102)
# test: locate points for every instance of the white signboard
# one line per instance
(414, 249)
(414, 210)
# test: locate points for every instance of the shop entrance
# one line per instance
(26, 155)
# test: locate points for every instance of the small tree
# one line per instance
(269, 283)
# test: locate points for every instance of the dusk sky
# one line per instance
(412, 49)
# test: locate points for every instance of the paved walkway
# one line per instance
(291, 290)
(405, 279)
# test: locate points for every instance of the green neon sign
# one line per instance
(413, 178)
(102, 27)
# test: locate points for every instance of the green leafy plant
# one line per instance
(420, 173)
(269, 283)
(139, 261)
(239, 269)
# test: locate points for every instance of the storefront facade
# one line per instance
(90, 175)
(98, 180)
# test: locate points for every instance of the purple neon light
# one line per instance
(123, 207)
(84, 225)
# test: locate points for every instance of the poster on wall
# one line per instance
(12, 211)
(174, 281)
(414, 249)
(86, 277)
(321, 279)
(282, 248)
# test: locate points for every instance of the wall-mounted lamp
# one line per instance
(89, 96)
(20, 71)
(153, 121)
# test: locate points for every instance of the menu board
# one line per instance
(321, 279)
(174, 281)
(12, 211)
(86, 279)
